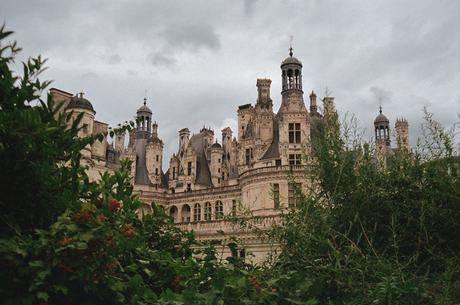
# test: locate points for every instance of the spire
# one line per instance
(290, 48)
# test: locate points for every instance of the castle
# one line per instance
(207, 179)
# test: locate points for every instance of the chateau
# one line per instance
(209, 177)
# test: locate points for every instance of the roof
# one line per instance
(381, 119)
(144, 108)
(273, 150)
(79, 102)
(291, 60)
(216, 145)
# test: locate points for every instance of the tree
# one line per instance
(366, 233)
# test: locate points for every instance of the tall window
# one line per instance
(276, 195)
(234, 207)
(219, 209)
(248, 155)
(294, 133)
(207, 211)
(197, 212)
(189, 168)
(295, 159)
(293, 190)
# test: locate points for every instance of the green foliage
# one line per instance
(367, 233)
(41, 169)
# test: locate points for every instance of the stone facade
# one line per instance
(207, 179)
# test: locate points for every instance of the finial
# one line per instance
(380, 102)
(145, 101)
(380, 109)
(290, 48)
(81, 93)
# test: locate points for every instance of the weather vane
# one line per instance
(290, 48)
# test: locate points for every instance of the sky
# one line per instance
(197, 61)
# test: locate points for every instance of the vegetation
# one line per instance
(361, 233)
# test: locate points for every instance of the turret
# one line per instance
(402, 133)
(78, 104)
(154, 156)
(215, 153)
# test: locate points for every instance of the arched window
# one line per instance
(219, 209)
(173, 212)
(207, 211)
(197, 212)
(186, 213)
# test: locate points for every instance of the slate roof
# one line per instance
(273, 150)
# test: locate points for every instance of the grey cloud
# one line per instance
(249, 7)
(380, 93)
(159, 59)
(192, 36)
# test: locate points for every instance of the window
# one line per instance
(295, 159)
(219, 209)
(197, 212)
(234, 208)
(293, 190)
(157, 158)
(218, 170)
(85, 128)
(294, 133)
(189, 187)
(174, 173)
(207, 211)
(218, 160)
(156, 171)
(189, 168)
(276, 195)
(248, 155)
(278, 162)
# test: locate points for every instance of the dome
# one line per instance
(216, 145)
(291, 60)
(153, 140)
(144, 108)
(79, 102)
(381, 118)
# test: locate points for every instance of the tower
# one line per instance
(291, 74)
(402, 133)
(154, 156)
(78, 105)
(292, 117)
(144, 117)
(382, 131)
(143, 133)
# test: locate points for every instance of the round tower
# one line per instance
(78, 105)
(215, 167)
(144, 116)
(291, 74)
(382, 130)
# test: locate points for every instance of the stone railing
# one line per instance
(208, 191)
(271, 169)
(211, 226)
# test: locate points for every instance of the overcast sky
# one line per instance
(200, 60)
